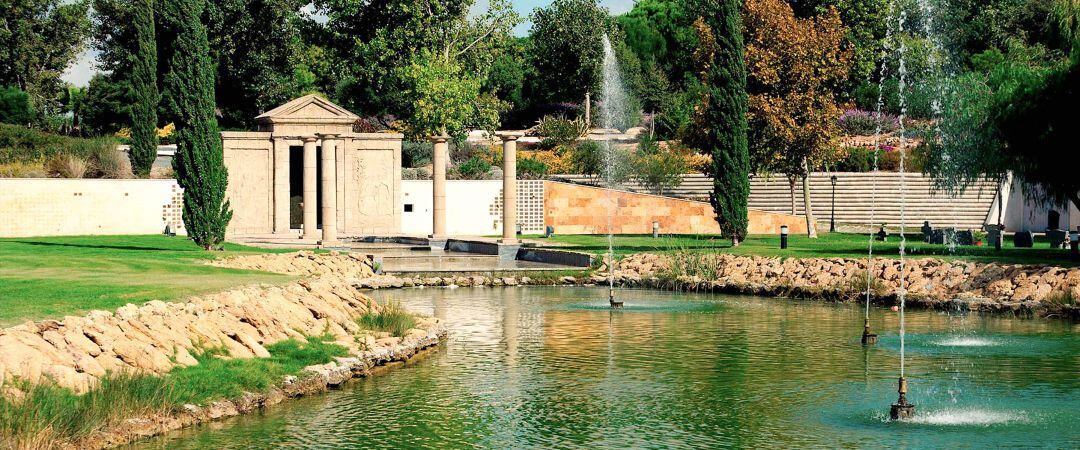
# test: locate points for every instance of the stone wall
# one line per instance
(578, 209)
(935, 283)
(59, 207)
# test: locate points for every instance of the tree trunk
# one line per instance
(811, 229)
(791, 189)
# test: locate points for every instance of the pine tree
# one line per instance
(199, 162)
(143, 60)
(721, 115)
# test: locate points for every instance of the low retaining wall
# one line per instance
(580, 209)
(931, 283)
(154, 338)
(68, 207)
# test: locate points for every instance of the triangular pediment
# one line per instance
(308, 109)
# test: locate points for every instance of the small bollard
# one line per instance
(1074, 242)
(655, 229)
(518, 229)
(783, 236)
(549, 231)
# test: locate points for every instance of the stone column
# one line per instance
(281, 186)
(438, 187)
(509, 190)
(311, 201)
(328, 178)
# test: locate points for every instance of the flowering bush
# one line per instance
(864, 123)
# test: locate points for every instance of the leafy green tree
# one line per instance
(15, 106)
(106, 107)
(658, 169)
(374, 41)
(256, 46)
(445, 100)
(660, 32)
(721, 116)
(796, 65)
(145, 90)
(566, 49)
(199, 162)
(39, 39)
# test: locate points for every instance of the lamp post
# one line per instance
(832, 214)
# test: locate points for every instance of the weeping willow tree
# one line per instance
(1017, 118)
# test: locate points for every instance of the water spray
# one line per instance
(614, 101)
(902, 409)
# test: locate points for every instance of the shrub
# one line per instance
(857, 122)
(474, 168)
(416, 154)
(860, 159)
(586, 158)
(659, 169)
(23, 169)
(15, 106)
(531, 169)
(558, 130)
(110, 162)
(414, 173)
(18, 143)
(391, 318)
(68, 166)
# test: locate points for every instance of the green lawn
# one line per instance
(56, 276)
(829, 245)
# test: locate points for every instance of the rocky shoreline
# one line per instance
(78, 352)
(314, 380)
(1023, 290)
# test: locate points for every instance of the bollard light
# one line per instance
(655, 229)
(783, 236)
(1074, 245)
(519, 229)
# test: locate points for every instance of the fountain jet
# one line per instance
(902, 409)
(868, 338)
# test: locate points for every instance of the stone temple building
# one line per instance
(307, 172)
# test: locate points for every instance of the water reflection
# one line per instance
(555, 368)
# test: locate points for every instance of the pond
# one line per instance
(552, 367)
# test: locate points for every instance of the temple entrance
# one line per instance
(296, 186)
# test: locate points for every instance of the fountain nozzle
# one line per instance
(902, 409)
(868, 338)
(611, 298)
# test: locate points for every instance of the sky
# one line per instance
(80, 73)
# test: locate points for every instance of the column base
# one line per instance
(508, 251)
(436, 243)
(333, 245)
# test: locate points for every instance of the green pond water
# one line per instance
(554, 368)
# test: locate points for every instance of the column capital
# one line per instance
(309, 138)
(509, 136)
(325, 136)
(439, 139)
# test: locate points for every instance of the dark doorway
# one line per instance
(1053, 220)
(296, 186)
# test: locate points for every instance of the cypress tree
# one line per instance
(199, 162)
(721, 116)
(143, 60)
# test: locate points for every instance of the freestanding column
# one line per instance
(509, 189)
(328, 177)
(310, 194)
(438, 187)
(281, 187)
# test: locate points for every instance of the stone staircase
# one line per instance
(855, 198)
